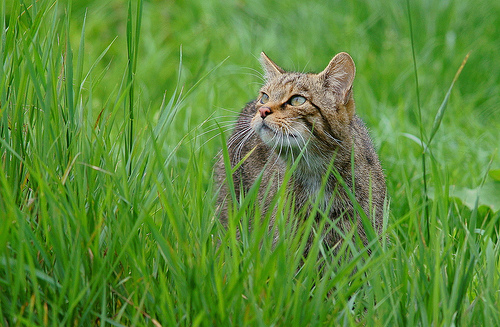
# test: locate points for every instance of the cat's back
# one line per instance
(370, 179)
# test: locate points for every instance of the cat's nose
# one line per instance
(264, 112)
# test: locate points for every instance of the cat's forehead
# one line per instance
(289, 83)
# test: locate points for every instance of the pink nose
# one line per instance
(264, 112)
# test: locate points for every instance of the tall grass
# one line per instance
(106, 196)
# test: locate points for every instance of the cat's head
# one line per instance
(298, 109)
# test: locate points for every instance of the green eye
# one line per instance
(297, 100)
(264, 98)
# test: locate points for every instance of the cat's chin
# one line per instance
(277, 139)
(265, 132)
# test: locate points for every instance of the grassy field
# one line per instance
(109, 125)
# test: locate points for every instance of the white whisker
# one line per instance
(256, 73)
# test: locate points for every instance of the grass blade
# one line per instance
(440, 113)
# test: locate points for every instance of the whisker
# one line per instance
(289, 146)
(303, 147)
(238, 137)
(210, 139)
(278, 156)
(239, 147)
(335, 140)
(236, 117)
(256, 73)
(236, 112)
(215, 127)
(221, 129)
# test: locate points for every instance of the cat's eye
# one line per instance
(264, 98)
(297, 100)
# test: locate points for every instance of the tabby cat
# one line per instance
(311, 116)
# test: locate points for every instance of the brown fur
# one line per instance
(327, 126)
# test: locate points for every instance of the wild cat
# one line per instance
(311, 117)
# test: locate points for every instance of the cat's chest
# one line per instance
(311, 186)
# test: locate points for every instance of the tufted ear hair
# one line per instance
(271, 70)
(339, 75)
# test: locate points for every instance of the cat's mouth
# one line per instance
(266, 128)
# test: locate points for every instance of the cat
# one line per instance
(311, 116)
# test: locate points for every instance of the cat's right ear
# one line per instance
(270, 68)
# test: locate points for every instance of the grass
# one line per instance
(107, 143)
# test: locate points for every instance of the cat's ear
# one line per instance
(339, 75)
(270, 68)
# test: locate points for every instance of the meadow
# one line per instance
(112, 114)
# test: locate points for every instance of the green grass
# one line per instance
(108, 133)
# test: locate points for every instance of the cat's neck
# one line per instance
(314, 173)
(308, 177)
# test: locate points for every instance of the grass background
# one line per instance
(110, 221)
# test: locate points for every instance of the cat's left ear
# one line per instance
(271, 69)
(339, 75)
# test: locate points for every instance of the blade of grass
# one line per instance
(440, 113)
(423, 221)
(133, 33)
